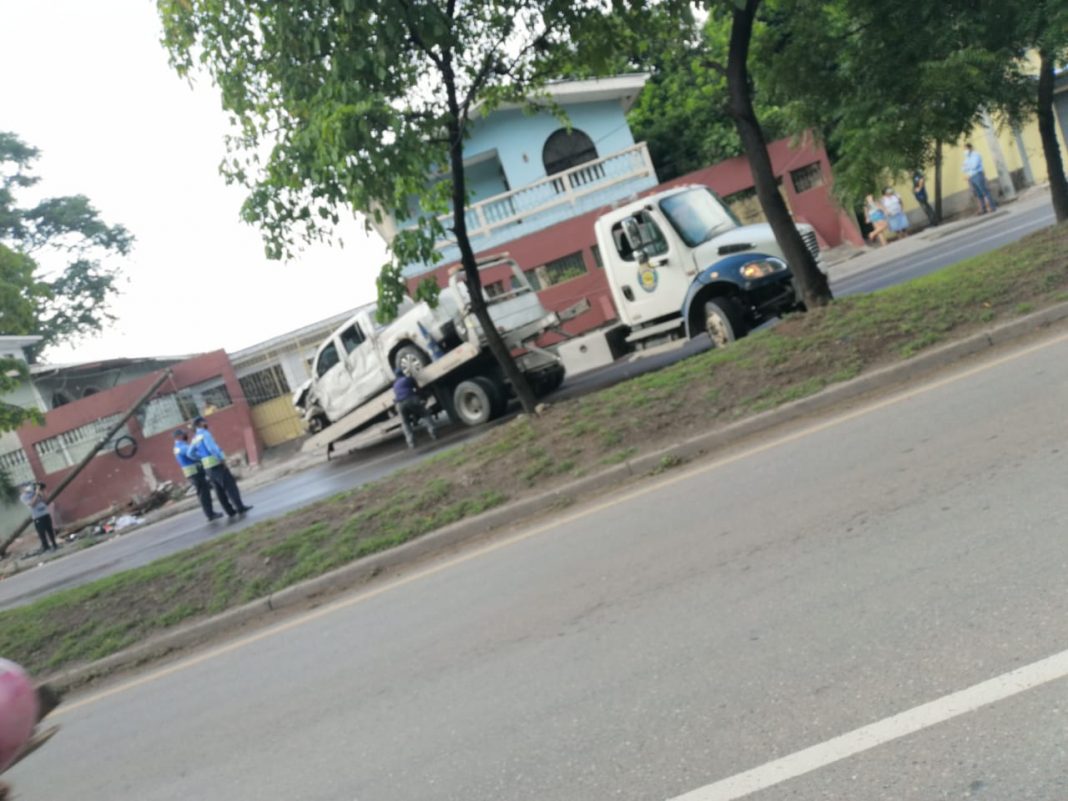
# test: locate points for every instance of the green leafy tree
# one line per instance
(340, 104)
(904, 78)
(1043, 25)
(57, 259)
(56, 267)
(742, 18)
(683, 113)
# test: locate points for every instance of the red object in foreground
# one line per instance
(18, 711)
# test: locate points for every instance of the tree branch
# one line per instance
(417, 37)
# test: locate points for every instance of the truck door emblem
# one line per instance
(648, 278)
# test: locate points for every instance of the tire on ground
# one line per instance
(724, 321)
(496, 393)
(472, 404)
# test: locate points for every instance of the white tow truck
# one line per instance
(679, 263)
(442, 348)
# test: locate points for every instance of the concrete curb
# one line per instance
(520, 512)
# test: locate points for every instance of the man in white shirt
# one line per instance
(973, 169)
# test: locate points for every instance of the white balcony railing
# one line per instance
(548, 200)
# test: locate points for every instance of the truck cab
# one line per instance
(679, 263)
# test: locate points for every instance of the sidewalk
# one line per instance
(846, 260)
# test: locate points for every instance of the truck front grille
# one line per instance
(812, 244)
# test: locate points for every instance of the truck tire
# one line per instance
(317, 423)
(472, 404)
(548, 381)
(498, 397)
(724, 321)
(410, 360)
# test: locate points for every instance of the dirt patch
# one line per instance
(795, 359)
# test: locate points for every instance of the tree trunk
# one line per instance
(811, 282)
(467, 255)
(938, 181)
(1058, 185)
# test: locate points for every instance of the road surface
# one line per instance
(798, 617)
(183, 531)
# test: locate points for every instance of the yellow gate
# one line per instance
(276, 421)
(274, 417)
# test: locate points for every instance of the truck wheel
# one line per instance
(548, 381)
(472, 403)
(410, 360)
(317, 423)
(723, 321)
(496, 394)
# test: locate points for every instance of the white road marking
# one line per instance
(592, 508)
(884, 731)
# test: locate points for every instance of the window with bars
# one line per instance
(16, 466)
(557, 271)
(264, 385)
(70, 447)
(177, 409)
(808, 177)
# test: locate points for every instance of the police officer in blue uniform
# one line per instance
(194, 471)
(211, 456)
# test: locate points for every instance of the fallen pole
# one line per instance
(73, 474)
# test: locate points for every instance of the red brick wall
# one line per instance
(816, 207)
(110, 482)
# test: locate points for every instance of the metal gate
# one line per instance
(274, 417)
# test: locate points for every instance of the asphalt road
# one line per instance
(799, 618)
(183, 531)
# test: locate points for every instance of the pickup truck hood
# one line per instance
(759, 235)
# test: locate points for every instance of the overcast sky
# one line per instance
(87, 82)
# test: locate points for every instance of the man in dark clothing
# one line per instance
(411, 408)
(34, 497)
(198, 477)
(919, 190)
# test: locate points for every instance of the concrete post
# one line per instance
(1008, 191)
(1029, 176)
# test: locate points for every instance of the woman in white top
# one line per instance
(895, 212)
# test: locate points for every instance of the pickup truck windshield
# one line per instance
(697, 215)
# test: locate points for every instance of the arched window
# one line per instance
(566, 149)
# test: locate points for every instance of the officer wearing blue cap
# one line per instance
(211, 456)
(192, 469)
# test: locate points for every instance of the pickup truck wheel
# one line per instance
(318, 423)
(723, 321)
(472, 403)
(410, 360)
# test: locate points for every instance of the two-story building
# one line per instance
(537, 184)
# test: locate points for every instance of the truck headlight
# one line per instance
(760, 269)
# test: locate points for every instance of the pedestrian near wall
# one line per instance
(205, 449)
(973, 169)
(875, 215)
(895, 212)
(34, 498)
(919, 191)
(193, 470)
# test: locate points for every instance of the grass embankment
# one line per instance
(797, 358)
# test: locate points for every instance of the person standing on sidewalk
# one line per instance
(198, 477)
(895, 212)
(919, 191)
(973, 169)
(205, 449)
(34, 498)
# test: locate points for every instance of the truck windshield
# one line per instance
(697, 215)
